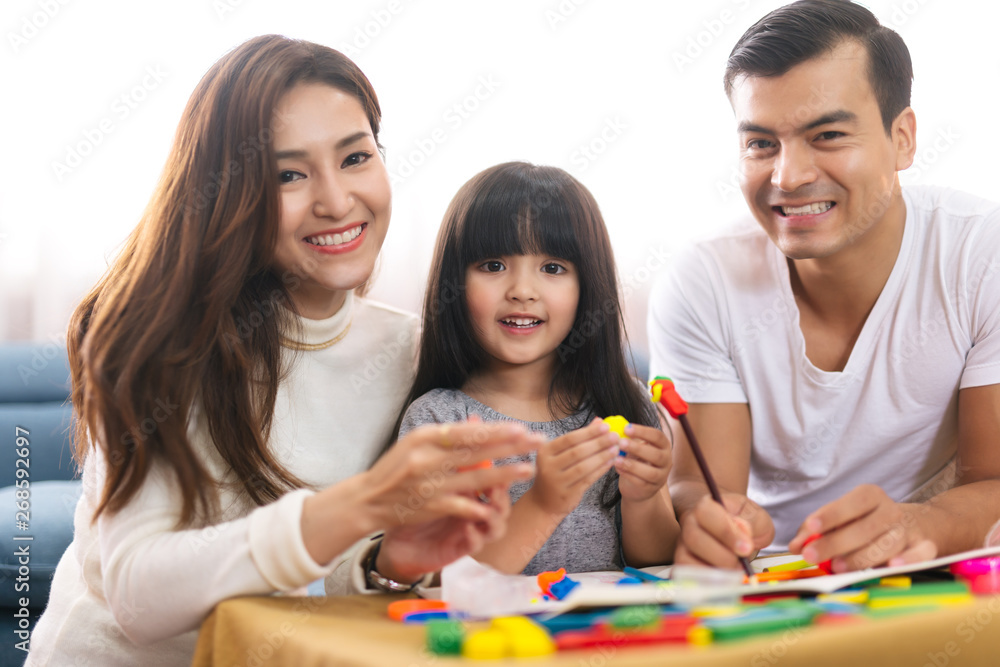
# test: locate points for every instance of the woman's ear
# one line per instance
(904, 138)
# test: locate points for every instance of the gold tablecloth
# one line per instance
(355, 630)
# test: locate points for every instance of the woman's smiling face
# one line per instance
(335, 196)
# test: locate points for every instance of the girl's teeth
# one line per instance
(335, 239)
(808, 209)
(521, 322)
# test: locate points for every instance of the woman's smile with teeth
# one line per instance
(336, 239)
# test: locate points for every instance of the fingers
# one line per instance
(455, 506)
(472, 481)
(603, 448)
(862, 529)
(474, 441)
(649, 434)
(710, 535)
(590, 469)
(921, 551)
(591, 432)
(760, 523)
(640, 471)
(858, 502)
(645, 462)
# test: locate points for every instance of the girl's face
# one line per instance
(335, 197)
(522, 307)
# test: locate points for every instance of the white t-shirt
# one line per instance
(133, 590)
(724, 326)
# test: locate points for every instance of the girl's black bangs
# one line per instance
(505, 222)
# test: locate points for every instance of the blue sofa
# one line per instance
(34, 404)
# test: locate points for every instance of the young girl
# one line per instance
(224, 441)
(522, 324)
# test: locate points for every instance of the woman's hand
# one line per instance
(643, 472)
(418, 479)
(418, 482)
(570, 464)
(410, 551)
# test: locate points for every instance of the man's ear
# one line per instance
(904, 138)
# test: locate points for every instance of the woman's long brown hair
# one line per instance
(190, 315)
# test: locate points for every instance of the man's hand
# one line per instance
(718, 536)
(864, 528)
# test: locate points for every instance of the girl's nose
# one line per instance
(522, 289)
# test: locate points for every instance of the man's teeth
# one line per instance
(808, 209)
(521, 322)
(335, 239)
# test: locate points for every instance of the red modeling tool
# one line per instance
(827, 565)
(662, 391)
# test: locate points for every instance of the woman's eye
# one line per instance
(553, 268)
(357, 158)
(492, 266)
(288, 175)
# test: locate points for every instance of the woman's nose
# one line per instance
(333, 198)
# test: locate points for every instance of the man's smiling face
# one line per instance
(817, 168)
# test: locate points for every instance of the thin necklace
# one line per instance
(312, 347)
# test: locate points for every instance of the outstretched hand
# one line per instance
(420, 493)
(423, 476)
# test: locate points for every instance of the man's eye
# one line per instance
(357, 158)
(830, 135)
(759, 144)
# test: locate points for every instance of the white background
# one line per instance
(638, 82)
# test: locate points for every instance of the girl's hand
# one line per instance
(570, 464)
(410, 551)
(644, 471)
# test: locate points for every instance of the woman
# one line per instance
(226, 425)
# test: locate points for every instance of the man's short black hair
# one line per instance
(792, 34)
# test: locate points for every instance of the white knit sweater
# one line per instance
(133, 590)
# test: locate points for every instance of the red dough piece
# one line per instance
(827, 565)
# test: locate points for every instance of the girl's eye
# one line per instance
(357, 158)
(289, 175)
(553, 268)
(492, 266)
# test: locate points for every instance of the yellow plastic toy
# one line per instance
(485, 645)
(617, 424)
(509, 637)
(525, 638)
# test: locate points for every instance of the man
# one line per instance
(842, 357)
